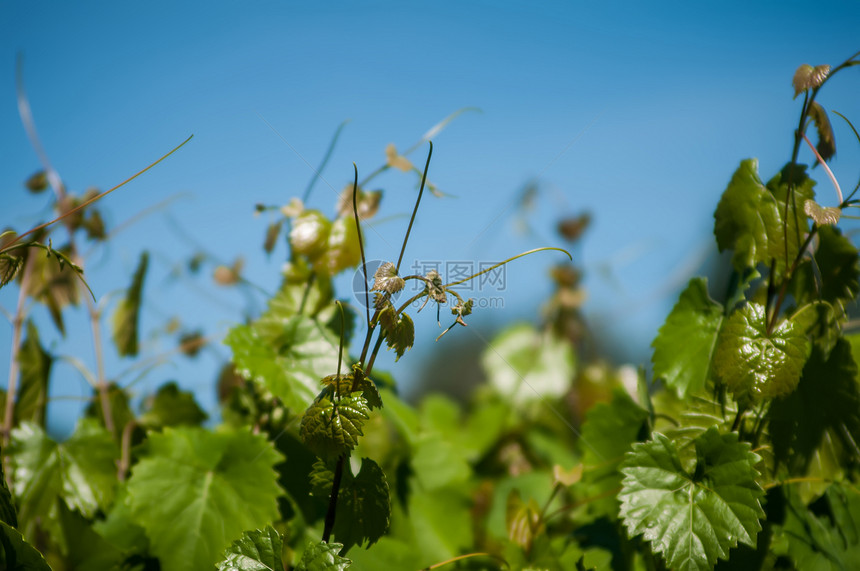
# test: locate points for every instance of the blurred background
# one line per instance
(635, 113)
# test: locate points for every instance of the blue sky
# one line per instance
(636, 112)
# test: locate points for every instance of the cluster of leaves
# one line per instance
(742, 451)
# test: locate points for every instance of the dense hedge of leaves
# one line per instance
(741, 451)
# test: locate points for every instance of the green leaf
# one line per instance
(8, 514)
(81, 471)
(526, 365)
(194, 491)
(257, 550)
(807, 77)
(791, 187)
(9, 266)
(309, 234)
(286, 356)
(684, 347)
(756, 364)
(399, 336)
(323, 556)
(815, 430)
(83, 547)
(607, 434)
(273, 230)
(127, 314)
(18, 555)
(822, 215)
(838, 268)
(692, 518)
(342, 250)
(386, 279)
(172, 407)
(35, 365)
(826, 145)
(363, 507)
(828, 541)
(37, 182)
(331, 428)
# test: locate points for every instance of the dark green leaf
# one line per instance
(81, 471)
(608, 432)
(287, 357)
(818, 425)
(18, 555)
(258, 550)
(755, 364)
(127, 314)
(838, 268)
(684, 347)
(35, 365)
(84, 548)
(172, 407)
(38, 182)
(323, 556)
(821, 322)
(363, 510)
(791, 187)
(9, 266)
(692, 518)
(194, 491)
(331, 428)
(8, 513)
(401, 335)
(273, 230)
(52, 283)
(826, 146)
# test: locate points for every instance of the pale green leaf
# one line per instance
(257, 550)
(385, 279)
(309, 234)
(806, 77)
(342, 250)
(194, 491)
(692, 518)
(684, 347)
(822, 215)
(755, 363)
(127, 314)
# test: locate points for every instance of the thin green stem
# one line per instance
(511, 259)
(360, 243)
(415, 210)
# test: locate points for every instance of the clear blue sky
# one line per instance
(637, 112)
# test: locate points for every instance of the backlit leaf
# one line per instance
(194, 491)
(385, 279)
(807, 77)
(822, 215)
(341, 251)
(331, 428)
(685, 345)
(127, 314)
(309, 234)
(692, 517)
(323, 556)
(257, 550)
(755, 363)
(81, 471)
(401, 335)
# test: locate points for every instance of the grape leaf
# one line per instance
(756, 364)
(363, 507)
(81, 471)
(342, 250)
(310, 233)
(83, 547)
(684, 347)
(400, 334)
(18, 555)
(257, 550)
(331, 428)
(826, 146)
(807, 76)
(838, 267)
(127, 313)
(791, 187)
(819, 424)
(35, 365)
(171, 407)
(194, 491)
(286, 357)
(386, 279)
(822, 215)
(526, 365)
(692, 518)
(608, 431)
(323, 556)
(9, 266)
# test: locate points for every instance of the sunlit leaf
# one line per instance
(127, 314)
(209, 486)
(331, 428)
(685, 345)
(341, 251)
(257, 550)
(755, 363)
(807, 77)
(400, 335)
(9, 266)
(385, 279)
(395, 160)
(526, 365)
(367, 202)
(171, 406)
(310, 233)
(323, 556)
(822, 215)
(692, 517)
